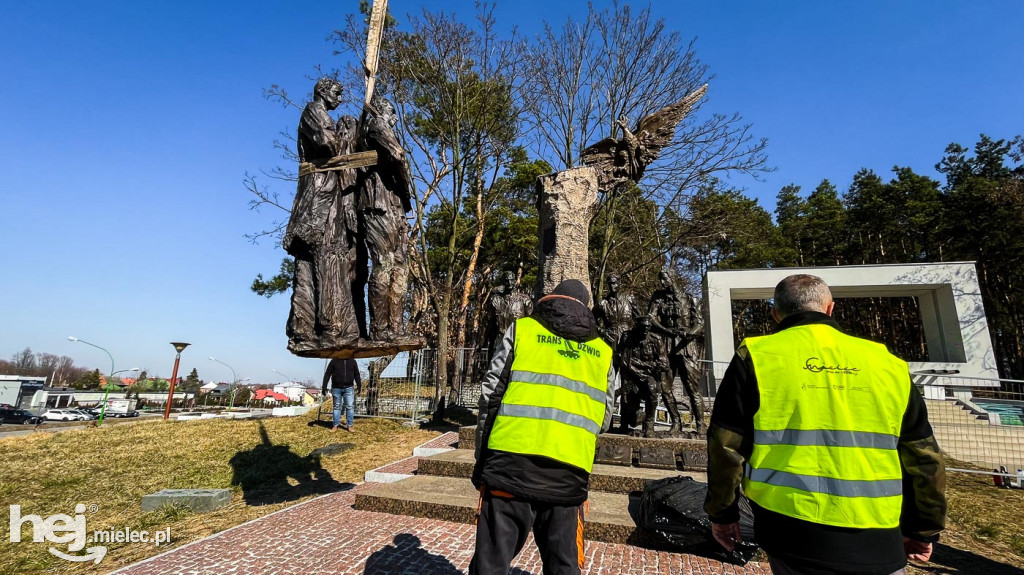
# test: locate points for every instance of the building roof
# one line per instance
(262, 394)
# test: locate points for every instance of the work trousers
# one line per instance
(505, 522)
(780, 567)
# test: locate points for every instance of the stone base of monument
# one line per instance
(689, 454)
(198, 500)
(359, 348)
(605, 478)
(441, 488)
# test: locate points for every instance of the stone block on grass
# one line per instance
(331, 449)
(198, 500)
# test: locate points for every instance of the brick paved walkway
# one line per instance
(326, 535)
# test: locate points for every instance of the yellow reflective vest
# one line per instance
(826, 432)
(555, 401)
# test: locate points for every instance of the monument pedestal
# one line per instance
(360, 348)
(441, 488)
(566, 202)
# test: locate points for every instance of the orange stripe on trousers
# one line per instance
(579, 537)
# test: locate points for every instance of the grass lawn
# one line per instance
(984, 528)
(265, 462)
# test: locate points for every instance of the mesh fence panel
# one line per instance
(977, 428)
(399, 386)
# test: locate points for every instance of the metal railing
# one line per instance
(979, 428)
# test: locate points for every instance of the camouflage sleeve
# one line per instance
(725, 472)
(924, 474)
(730, 439)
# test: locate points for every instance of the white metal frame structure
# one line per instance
(952, 314)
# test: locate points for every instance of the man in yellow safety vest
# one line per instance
(830, 442)
(546, 397)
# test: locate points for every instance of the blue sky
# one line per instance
(127, 128)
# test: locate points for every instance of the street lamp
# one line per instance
(103, 410)
(282, 375)
(234, 380)
(178, 348)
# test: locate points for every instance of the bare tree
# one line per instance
(624, 62)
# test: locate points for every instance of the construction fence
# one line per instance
(978, 422)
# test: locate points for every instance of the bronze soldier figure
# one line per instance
(643, 364)
(320, 233)
(615, 313)
(507, 305)
(676, 319)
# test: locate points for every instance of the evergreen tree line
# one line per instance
(977, 215)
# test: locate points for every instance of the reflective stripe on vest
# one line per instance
(555, 402)
(826, 432)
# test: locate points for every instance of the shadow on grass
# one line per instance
(271, 474)
(950, 560)
(406, 555)
(451, 419)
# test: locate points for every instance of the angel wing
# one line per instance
(658, 129)
(625, 159)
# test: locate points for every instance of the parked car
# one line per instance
(83, 412)
(11, 415)
(62, 415)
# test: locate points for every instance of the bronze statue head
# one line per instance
(346, 127)
(508, 281)
(642, 325)
(666, 279)
(613, 285)
(384, 110)
(327, 91)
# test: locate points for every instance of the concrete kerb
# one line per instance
(378, 475)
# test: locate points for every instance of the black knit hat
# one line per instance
(574, 289)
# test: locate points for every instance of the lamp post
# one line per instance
(234, 380)
(282, 375)
(103, 410)
(179, 346)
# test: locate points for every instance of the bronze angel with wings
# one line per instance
(625, 159)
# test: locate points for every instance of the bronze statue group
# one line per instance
(345, 218)
(652, 345)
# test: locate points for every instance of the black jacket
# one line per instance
(342, 373)
(530, 477)
(808, 546)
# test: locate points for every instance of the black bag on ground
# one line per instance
(672, 512)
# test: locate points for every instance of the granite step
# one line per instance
(690, 454)
(606, 478)
(610, 519)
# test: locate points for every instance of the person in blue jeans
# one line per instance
(343, 375)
